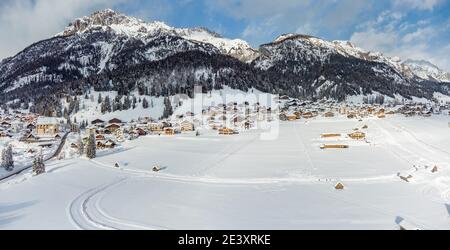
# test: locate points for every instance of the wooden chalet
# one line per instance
(334, 146)
(169, 131)
(357, 135)
(308, 115)
(226, 131)
(339, 186)
(97, 122)
(115, 120)
(291, 117)
(99, 137)
(29, 138)
(330, 135)
(140, 132)
(187, 126)
(112, 127)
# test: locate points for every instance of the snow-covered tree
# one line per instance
(127, 103)
(168, 111)
(145, 103)
(91, 147)
(80, 147)
(99, 98)
(38, 164)
(7, 158)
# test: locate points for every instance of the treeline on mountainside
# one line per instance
(179, 73)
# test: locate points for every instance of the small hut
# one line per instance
(291, 117)
(226, 131)
(434, 170)
(308, 115)
(330, 135)
(169, 131)
(339, 186)
(334, 146)
(357, 135)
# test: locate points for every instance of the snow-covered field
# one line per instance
(243, 182)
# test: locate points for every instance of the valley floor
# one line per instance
(243, 182)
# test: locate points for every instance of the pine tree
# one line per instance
(7, 158)
(81, 147)
(106, 105)
(91, 147)
(134, 101)
(99, 99)
(127, 103)
(38, 164)
(145, 103)
(117, 104)
(168, 111)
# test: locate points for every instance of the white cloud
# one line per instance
(374, 40)
(418, 4)
(266, 19)
(418, 40)
(23, 22)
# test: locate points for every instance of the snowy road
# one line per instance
(242, 182)
(19, 170)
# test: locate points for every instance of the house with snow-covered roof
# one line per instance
(47, 126)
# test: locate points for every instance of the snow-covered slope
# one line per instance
(237, 48)
(111, 51)
(428, 71)
(337, 69)
(109, 20)
(409, 68)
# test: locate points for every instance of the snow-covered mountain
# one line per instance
(428, 71)
(410, 68)
(338, 69)
(113, 52)
(109, 20)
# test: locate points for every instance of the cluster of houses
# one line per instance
(424, 110)
(109, 134)
(44, 130)
(226, 119)
(295, 110)
(356, 134)
(16, 123)
(30, 128)
(229, 118)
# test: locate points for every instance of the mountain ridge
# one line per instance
(111, 51)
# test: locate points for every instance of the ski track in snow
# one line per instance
(86, 212)
(436, 189)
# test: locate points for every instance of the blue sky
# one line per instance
(417, 29)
